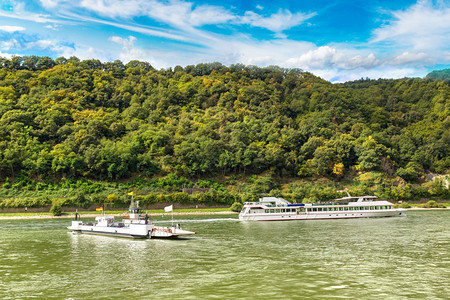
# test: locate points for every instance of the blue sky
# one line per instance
(337, 40)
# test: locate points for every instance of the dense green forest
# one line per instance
(102, 128)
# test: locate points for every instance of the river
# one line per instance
(385, 258)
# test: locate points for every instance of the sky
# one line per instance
(337, 40)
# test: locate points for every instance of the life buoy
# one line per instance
(170, 230)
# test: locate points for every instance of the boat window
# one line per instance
(319, 209)
(266, 211)
(283, 210)
(341, 208)
(361, 208)
(345, 208)
(272, 211)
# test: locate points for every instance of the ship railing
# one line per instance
(329, 203)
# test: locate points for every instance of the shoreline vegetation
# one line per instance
(151, 213)
(115, 213)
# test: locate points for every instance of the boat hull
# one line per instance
(135, 231)
(169, 232)
(106, 233)
(323, 215)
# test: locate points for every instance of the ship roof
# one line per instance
(273, 200)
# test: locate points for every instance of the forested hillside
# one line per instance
(67, 119)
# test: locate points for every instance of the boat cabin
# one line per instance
(104, 221)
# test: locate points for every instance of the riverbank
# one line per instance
(71, 215)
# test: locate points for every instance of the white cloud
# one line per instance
(423, 26)
(12, 28)
(6, 55)
(53, 3)
(181, 13)
(42, 44)
(173, 12)
(20, 13)
(330, 57)
(7, 45)
(278, 22)
(317, 58)
(54, 27)
(126, 43)
(207, 14)
(409, 58)
(117, 8)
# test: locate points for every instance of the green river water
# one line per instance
(385, 258)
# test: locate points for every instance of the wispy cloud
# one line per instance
(19, 12)
(277, 22)
(423, 26)
(9, 44)
(411, 58)
(329, 57)
(12, 28)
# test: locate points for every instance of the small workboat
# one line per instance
(136, 225)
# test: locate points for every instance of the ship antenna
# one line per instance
(348, 194)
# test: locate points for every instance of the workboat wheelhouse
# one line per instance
(278, 209)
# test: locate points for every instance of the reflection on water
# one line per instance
(397, 258)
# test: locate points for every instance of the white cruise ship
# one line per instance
(278, 209)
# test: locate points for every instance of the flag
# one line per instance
(130, 193)
(99, 208)
(168, 208)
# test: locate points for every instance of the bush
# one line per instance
(236, 206)
(56, 210)
(433, 204)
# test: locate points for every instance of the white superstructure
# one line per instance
(278, 209)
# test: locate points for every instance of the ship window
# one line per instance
(266, 211)
(341, 208)
(361, 208)
(272, 211)
(345, 208)
(319, 209)
(325, 209)
(283, 210)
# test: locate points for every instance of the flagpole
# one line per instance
(172, 215)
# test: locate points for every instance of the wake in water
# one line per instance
(182, 221)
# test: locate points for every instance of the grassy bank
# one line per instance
(151, 212)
